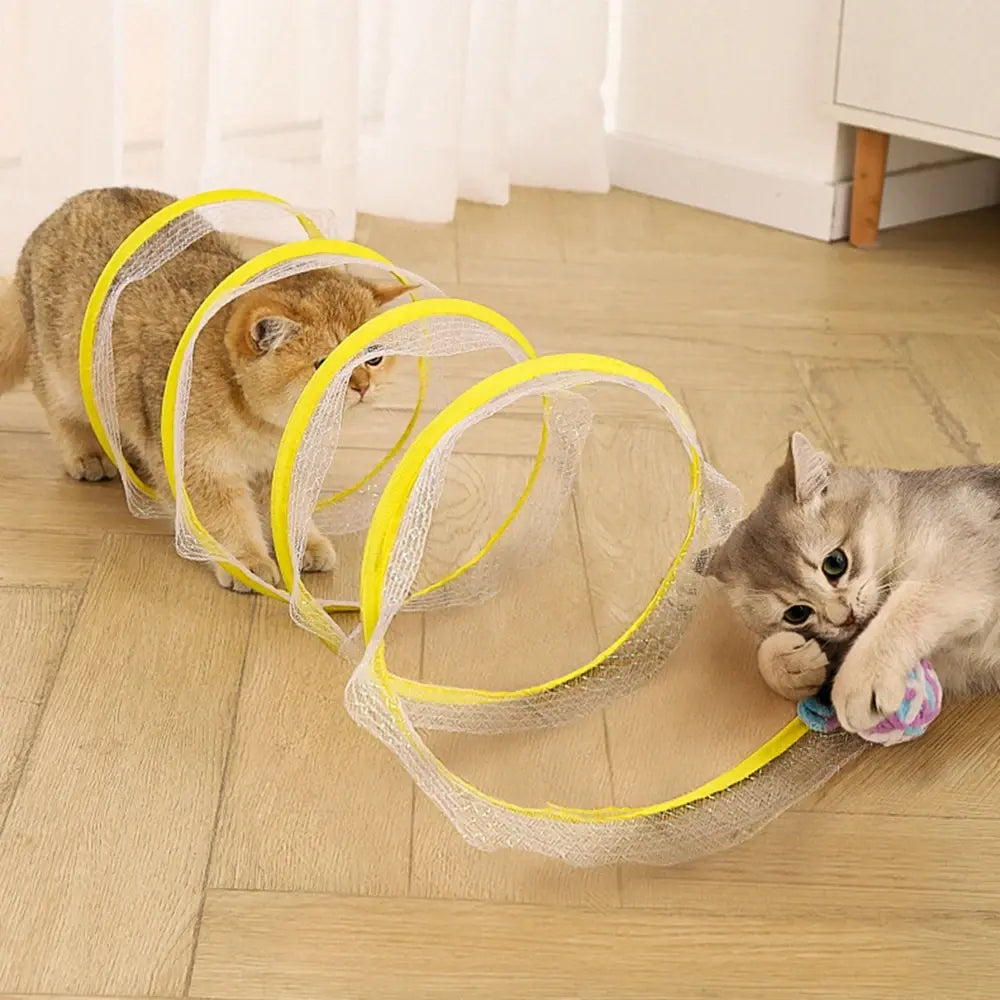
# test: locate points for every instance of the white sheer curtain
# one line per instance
(383, 106)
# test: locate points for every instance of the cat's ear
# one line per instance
(809, 468)
(712, 561)
(268, 332)
(388, 291)
(703, 559)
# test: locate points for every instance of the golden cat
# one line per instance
(251, 361)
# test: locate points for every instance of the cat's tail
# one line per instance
(14, 343)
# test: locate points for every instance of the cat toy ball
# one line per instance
(921, 706)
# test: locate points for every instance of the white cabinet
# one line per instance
(925, 69)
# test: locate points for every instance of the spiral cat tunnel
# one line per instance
(543, 534)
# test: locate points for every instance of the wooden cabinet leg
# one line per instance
(870, 151)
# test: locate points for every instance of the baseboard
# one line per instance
(797, 205)
(813, 208)
(926, 192)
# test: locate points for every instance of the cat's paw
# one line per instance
(865, 691)
(90, 468)
(791, 665)
(320, 556)
(261, 566)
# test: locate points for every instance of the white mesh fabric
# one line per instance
(351, 514)
(161, 247)
(188, 543)
(568, 418)
(659, 837)
(430, 337)
(640, 656)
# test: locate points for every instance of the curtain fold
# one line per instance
(382, 106)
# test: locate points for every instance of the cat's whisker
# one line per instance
(893, 567)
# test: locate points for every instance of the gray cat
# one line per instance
(892, 566)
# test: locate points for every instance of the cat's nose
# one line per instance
(361, 390)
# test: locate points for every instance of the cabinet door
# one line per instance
(931, 61)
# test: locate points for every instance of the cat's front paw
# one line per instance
(791, 665)
(90, 468)
(320, 556)
(261, 566)
(866, 690)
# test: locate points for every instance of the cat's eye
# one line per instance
(835, 565)
(373, 362)
(798, 614)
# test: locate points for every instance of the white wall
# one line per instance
(727, 105)
(741, 81)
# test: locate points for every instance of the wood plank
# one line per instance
(29, 455)
(702, 269)
(706, 708)
(747, 451)
(704, 712)
(561, 320)
(521, 230)
(698, 363)
(633, 506)
(263, 946)
(805, 856)
(312, 801)
(683, 355)
(880, 417)
(959, 378)
(18, 722)
(602, 301)
(67, 507)
(525, 598)
(46, 559)
(112, 823)
(949, 772)
(36, 623)
(850, 298)
(626, 225)
(505, 434)
(536, 627)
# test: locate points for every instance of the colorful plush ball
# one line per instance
(921, 706)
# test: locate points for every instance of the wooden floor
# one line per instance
(187, 810)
